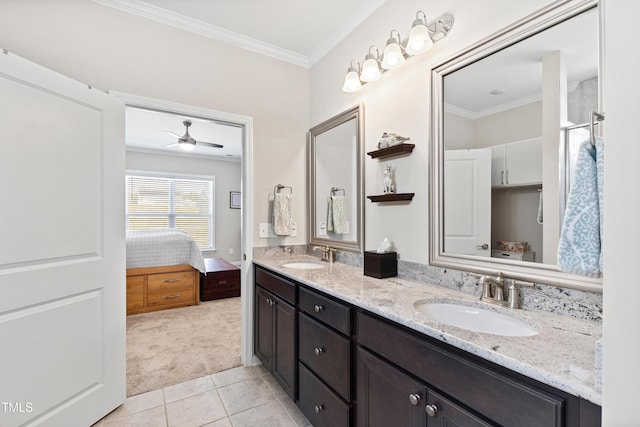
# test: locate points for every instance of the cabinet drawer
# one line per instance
(170, 281)
(182, 296)
(326, 353)
(276, 284)
(135, 292)
(331, 312)
(319, 404)
(474, 385)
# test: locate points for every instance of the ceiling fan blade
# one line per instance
(172, 145)
(174, 134)
(209, 144)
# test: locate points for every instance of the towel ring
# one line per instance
(593, 119)
(279, 187)
(336, 189)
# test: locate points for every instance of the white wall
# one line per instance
(621, 350)
(400, 102)
(116, 51)
(227, 178)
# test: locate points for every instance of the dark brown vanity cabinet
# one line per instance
(275, 327)
(325, 362)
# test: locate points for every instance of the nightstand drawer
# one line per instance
(220, 284)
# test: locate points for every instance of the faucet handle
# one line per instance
(513, 298)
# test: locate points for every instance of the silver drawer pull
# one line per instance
(318, 308)
(318, 351)
(171, 296)
(431, 410)
(171, 280)
(318, 408)
(414, 399)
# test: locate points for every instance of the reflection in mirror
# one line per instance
(508, 116)
(335, 183)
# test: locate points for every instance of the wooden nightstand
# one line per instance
(221, 281)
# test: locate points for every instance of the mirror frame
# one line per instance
(528, 26)
(355, 113)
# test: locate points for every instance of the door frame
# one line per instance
(246, 187)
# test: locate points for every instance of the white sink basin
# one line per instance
(303, 265)
(475, 319)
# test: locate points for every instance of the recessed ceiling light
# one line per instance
(498, 91)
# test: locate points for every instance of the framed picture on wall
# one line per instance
(235, 199)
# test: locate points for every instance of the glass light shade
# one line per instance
(370, 70)
(186, 146)
(351, 81)
(419, 40)
(392, 56)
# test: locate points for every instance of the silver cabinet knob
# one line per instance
(318, 351)
(483, 246)
(414, 399)
(432, 410)
(318, 408)
(318, 308)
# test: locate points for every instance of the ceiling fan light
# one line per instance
(186, 145)
(419, 39)
(392, 56)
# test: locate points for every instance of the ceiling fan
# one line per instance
(186, 141)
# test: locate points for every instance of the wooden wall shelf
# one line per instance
(391, 197)
(392, 151)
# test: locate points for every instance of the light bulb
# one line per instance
(370, 69)
(392, 56)
(186, 146)
(419, 38)
(351, 81)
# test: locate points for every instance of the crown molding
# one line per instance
(213, 32)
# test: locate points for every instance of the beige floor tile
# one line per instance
(150, 418)
(234, 375)
(225, 422)
(245, 395)
(275, 387)
(261, 369)
(138, 403)
(196, 410)
(188, 388)
(270, 414)
(294, 412)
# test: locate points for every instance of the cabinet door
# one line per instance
(263, 329)
(498, 166)
(387, 396)
(524, 162)
(284, 345)
(442, 412)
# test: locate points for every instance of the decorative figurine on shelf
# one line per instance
(387, 183)
(389, 139)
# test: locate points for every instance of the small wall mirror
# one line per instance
(507, 113)
(335, 182)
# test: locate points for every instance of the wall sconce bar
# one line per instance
(421, 38)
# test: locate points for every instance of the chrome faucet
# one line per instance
(328, 253)
(493, 290)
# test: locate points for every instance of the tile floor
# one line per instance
(239, 397)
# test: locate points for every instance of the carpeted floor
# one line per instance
(172, 346)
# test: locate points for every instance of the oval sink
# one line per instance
(303, 265)
(476, 319)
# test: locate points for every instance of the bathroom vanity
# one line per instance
(361, 354)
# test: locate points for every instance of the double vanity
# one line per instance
(356, 350)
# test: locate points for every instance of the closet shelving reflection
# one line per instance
(382, 153)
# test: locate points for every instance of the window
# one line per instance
(182, 203)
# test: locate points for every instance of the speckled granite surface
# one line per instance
(562, 355)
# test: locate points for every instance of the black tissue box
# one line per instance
(380, 265)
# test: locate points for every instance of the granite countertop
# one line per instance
(562, 355)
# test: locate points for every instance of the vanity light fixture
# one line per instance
(421, 37)
(352, 79)
(371, 66)
(392, 56)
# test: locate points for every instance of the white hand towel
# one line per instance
(337, 219)
(282, 214)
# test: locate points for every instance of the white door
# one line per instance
(467, 202)
(62, 249)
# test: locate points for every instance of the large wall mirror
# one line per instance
(507, 115)
(335, 182)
